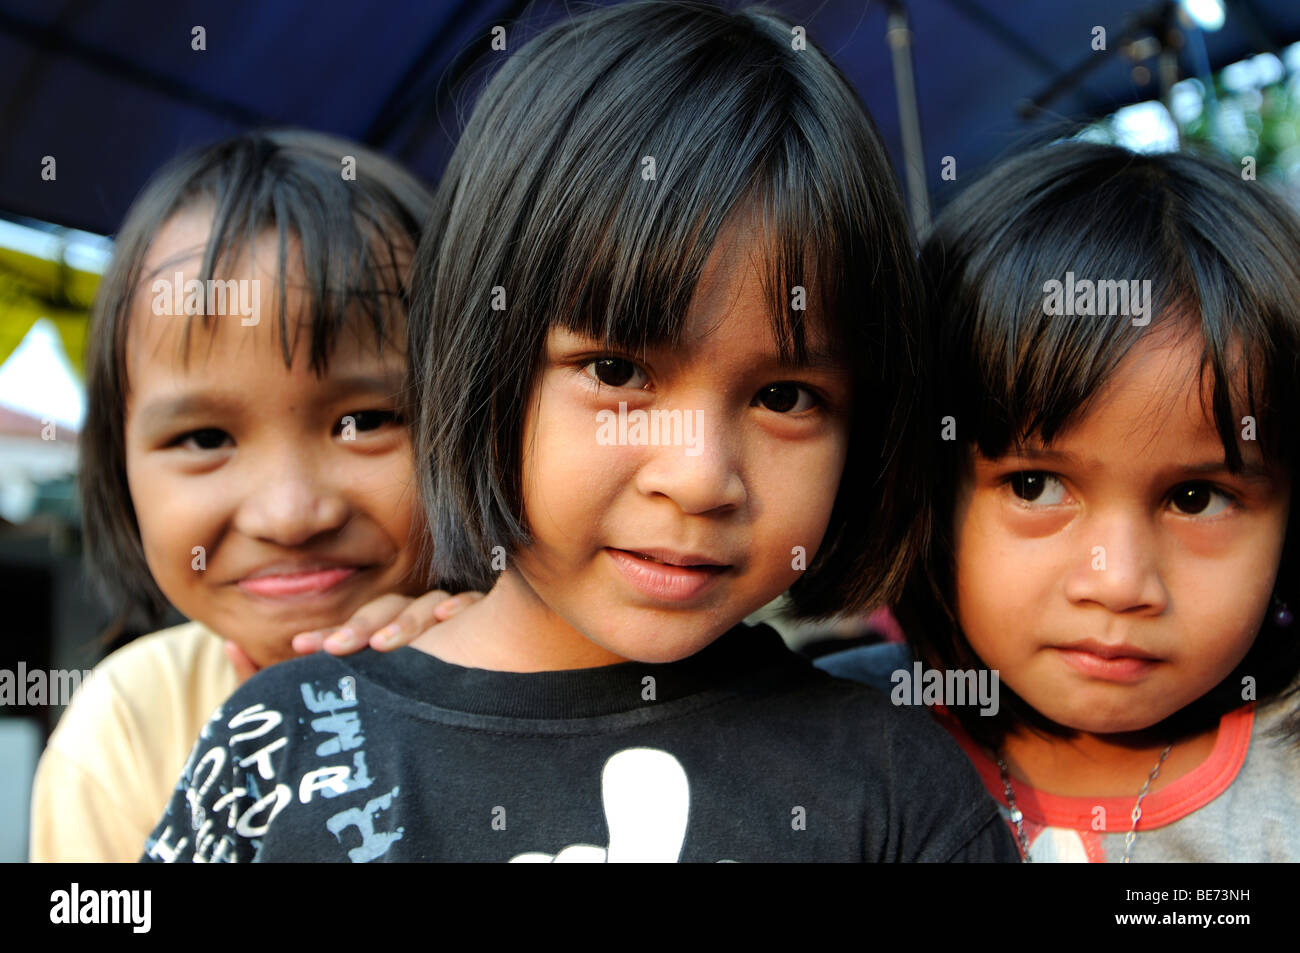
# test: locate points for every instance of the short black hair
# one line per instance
(1223, 259)
(544, 197)
(354, 235)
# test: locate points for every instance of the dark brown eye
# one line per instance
(613, 371)
(785, 397)
(1030, 485)
(1027, 486)
(1198, 499)
(208, 438)
(367, 420)
(1192, 498)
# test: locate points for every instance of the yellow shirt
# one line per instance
(109, 769)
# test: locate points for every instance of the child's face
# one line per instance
(1122, 574)
(752, 475)
(262, 514)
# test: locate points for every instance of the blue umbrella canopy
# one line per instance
(111, 91)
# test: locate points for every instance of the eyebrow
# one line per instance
(1250, 469)
(160, 411)
(391, 382)
(818, 359)
(814, 360)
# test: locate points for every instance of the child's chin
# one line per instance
(1112, 723)
(656, 650)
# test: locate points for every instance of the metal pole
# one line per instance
(899, 36)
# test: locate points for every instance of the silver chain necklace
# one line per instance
(1018, 818)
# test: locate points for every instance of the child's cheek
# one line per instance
(177, 543)
(1019, 521)
(566, 472)
(997, 573)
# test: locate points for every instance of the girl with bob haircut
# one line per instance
(1115, 534)
(654, 209)
(247, 463)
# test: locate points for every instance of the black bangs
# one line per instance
(353, 236)
(720, 149)
(1086, 228)
(635, 164)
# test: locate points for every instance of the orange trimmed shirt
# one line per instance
(1242, 803)
(1093, 829)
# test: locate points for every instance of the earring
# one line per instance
(1282, 616)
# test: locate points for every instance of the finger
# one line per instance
(450, 607)
(245, 667)
(414, 619)
(647, 802)
(356, 631)
(308, 642)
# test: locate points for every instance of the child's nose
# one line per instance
(290, 503)
(700, 474)
(1117, 567)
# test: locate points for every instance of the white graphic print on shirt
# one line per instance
(645, 792)
(647, 801)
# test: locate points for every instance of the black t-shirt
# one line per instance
(743, 752)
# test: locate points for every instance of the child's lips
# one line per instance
(1117, 663)
(288, 583)
(662, 580)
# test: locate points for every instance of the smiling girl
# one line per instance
(251, 467)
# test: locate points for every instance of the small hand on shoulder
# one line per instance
(383, 624)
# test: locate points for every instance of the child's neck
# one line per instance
(512, 630)
(1088, 765)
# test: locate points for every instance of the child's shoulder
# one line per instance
(1274, 745)
(190, 644)
(125, 735)
(849, 695)
(379, 683)
(186, 643)
(188, 657)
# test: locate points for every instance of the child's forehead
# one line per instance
(241, 303)
(740, 289)
(231, 366)
(182, 241)
(165, 344)
(1155, 407)
(191, 342)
